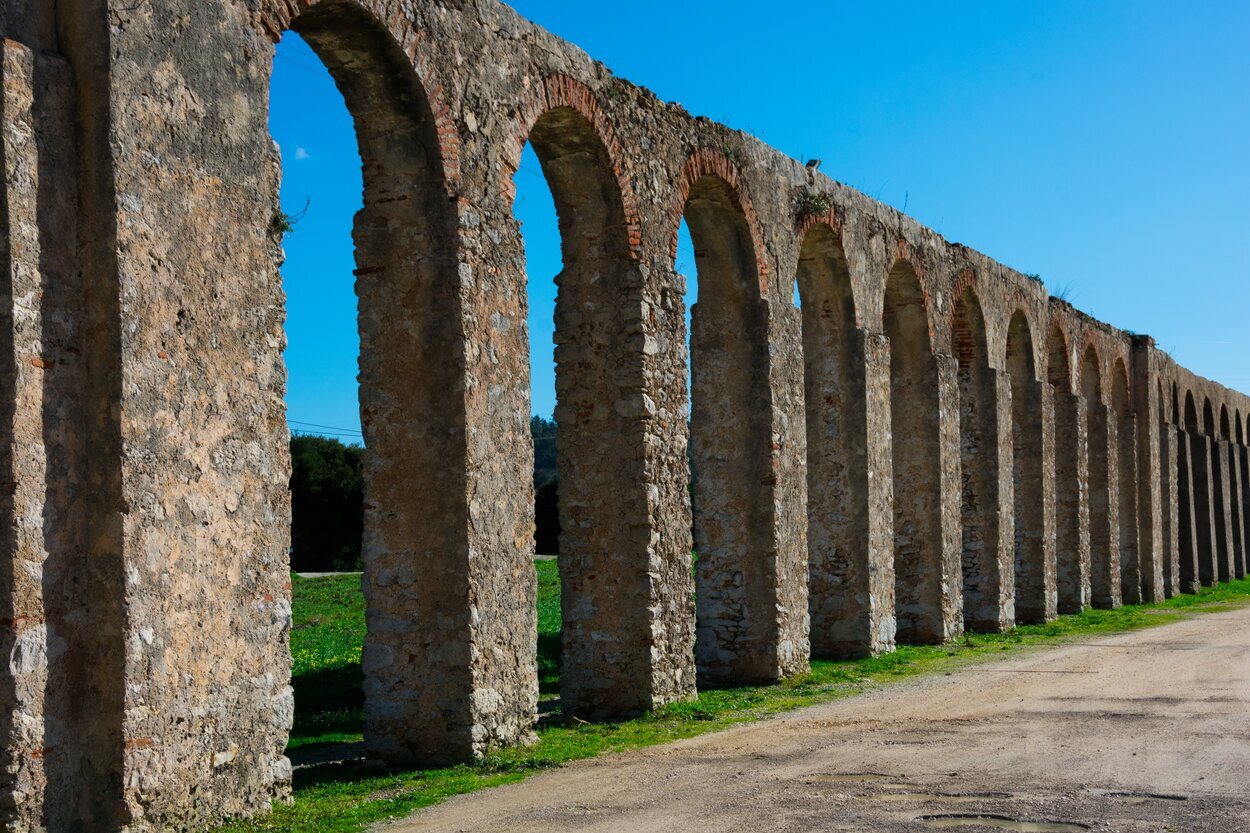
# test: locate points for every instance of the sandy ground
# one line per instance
(1080, 734)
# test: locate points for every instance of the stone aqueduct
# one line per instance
(929, 443)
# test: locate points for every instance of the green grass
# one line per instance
(339, 799)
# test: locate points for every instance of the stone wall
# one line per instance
(929, 443)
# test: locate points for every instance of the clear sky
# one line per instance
(1102, 145)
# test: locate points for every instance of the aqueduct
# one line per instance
(1041, 461)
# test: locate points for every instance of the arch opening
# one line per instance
(1071, 507)
(1221, 482)
(405, 237)
(920, 606)
(1126, 485)
(730, 443)
(988, 602)
(1206, 497)
(1167, 488)
(836, 451)
(1191, 481)
(1034, 579)
(587, 492)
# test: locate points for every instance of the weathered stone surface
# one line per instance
(930, 439)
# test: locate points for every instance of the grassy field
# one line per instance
(329, 629)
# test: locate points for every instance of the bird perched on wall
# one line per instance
(814, 164)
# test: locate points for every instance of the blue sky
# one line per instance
(1101, 145)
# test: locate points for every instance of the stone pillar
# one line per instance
(925, 439)
(1050, 511)
(985, 466)
(1187, 573)
(1223, 508)
(947, 621)
(1071, 503)
(1104, 542)
(1033, 504)
(1151, 473)
(752, 620)
(54, 625)
(850, 532)
(1237, 511)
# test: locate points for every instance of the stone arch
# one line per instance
(731, 433)
(920, 605)
(1071, 507)
(988, 599)
(599, 370)
(1034, 572)
(418, 656)
(279, 16)
(546, 113)
(1126, 484)
(708, 165)
(1103, 530)
(837, 461)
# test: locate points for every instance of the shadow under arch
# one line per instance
(1191, 482)
(1033, 559)
(988, 599)
(1071, 499)
(927, 610)
(1222, 483)
(730, 442)
(1242, 479)
(1206, 496)
(839, 563)
(1126, 484)
(1167, 485)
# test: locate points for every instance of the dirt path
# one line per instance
(1050, 736)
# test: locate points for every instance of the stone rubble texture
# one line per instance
(929, 444)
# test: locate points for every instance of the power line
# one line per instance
(305, 67)
(327, 427)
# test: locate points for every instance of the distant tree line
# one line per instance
(327, 500)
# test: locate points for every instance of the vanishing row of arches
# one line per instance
(927, 507)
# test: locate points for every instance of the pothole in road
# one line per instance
(887, 781)
(1003, 823)
(1142, 798)
(940, 798)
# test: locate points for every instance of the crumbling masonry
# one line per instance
(929, 444)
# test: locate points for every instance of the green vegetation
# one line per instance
(342, 798)
(327, 505)
(814, 203)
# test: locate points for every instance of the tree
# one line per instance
(327, 505)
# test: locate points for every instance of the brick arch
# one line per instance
(1208, 417)
(278, 16)
(1239, 436)
(709, 162)
(1031, 329)
(1057, 337)
(1090, 345)
(1225, 429)
(1119, 372)
(828, 225)
(962, 342)
(557, 92)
